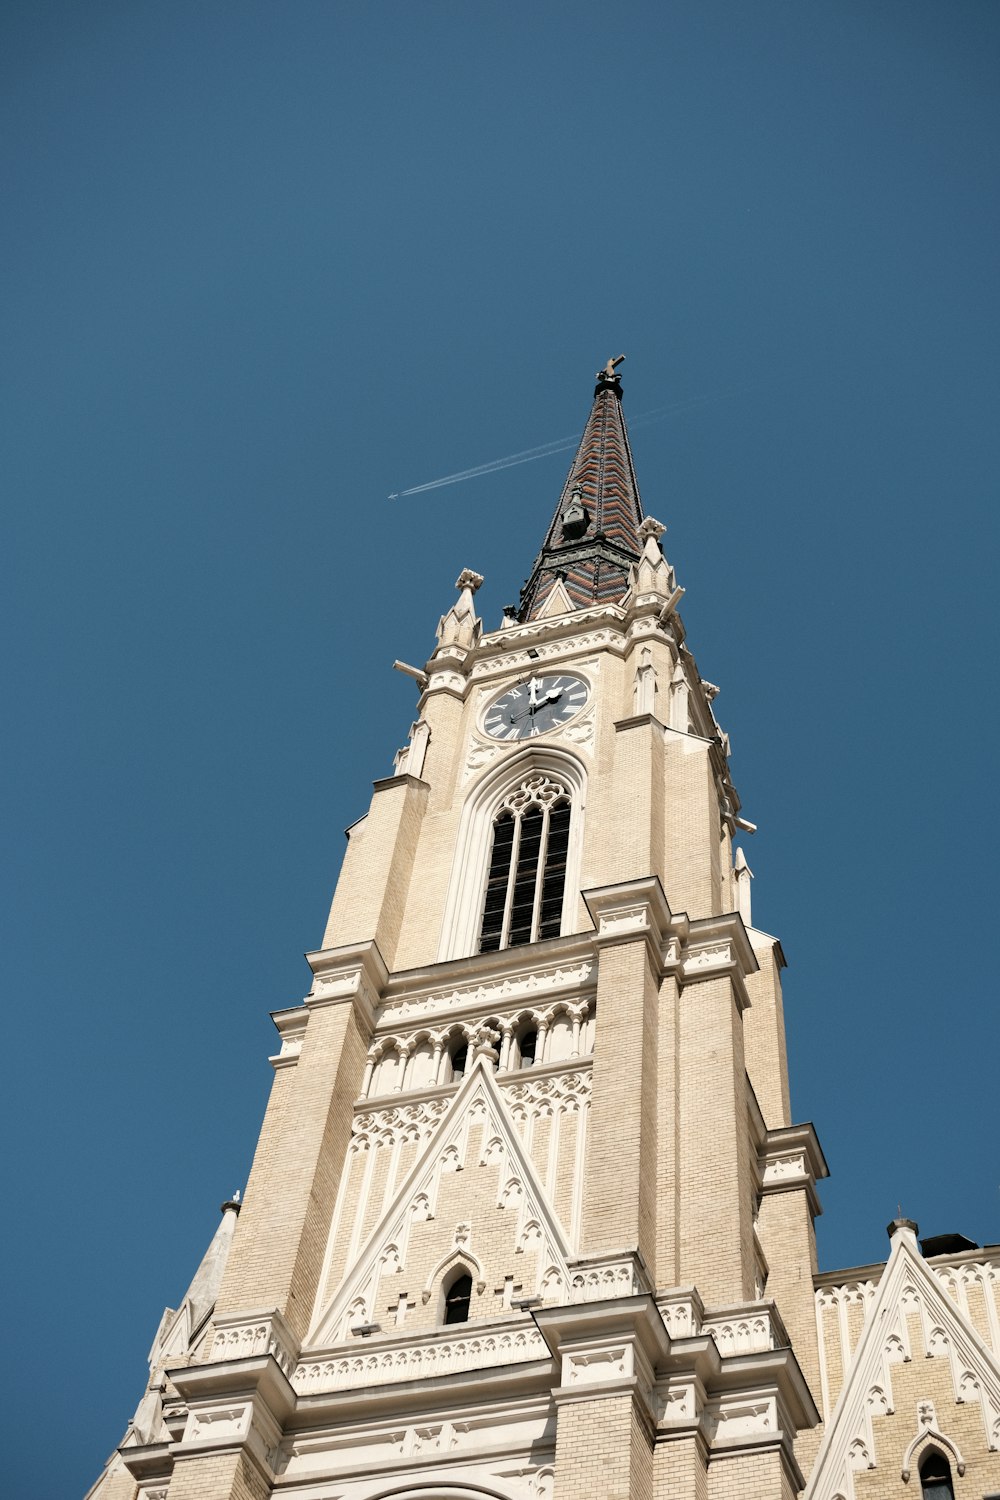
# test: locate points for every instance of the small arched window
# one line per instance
(935, 1477)
(527, 872)
(527, 1046)
(459, 1056)
(457, 1299)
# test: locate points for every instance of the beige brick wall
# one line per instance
(371, 896)
(620, 1200)
(764, 1036)
(750, 1476)
(668, 1206)
(280, 1240)
(680, 1470)
(715, 1204)
(690, 875)
(927, 1379)
(218, 1476)
(603, 1451)
(118, 1486)
(786, 1235)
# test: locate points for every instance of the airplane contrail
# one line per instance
(558, 445)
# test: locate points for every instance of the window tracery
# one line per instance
(533, 853)
(527, 867)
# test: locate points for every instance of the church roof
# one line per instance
(594, 535)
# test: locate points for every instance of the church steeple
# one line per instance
(593, 539)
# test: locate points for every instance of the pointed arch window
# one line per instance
(457, 1299)
(527, 869)
(935, 1477)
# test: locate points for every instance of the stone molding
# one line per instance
(291, 1028)
(629, 910)
(791, 1159)
(415, 994)
(605, 1348)
(389, 1359)
(240, 1405)
(245, 1334)
(355, 973)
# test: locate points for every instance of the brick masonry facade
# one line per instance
(634, 1211)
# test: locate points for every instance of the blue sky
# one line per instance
(264, 265)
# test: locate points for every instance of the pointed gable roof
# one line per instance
(908, 1285)
(594, 536)
(519, 1188)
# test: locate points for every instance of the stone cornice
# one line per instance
(629, 910)
(388, 783)
(240, 1405)
(453, 1393)
(290, 1024)
(712, 948)
(259, 1374)
(149, 1462)
(355, 973)
(536, 972)
(791, 1158)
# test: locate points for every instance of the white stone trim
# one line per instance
(908, 1285)
(445, 1151)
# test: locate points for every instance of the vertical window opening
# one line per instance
(527, 874)
(526, 1048)
(457, 1299)
(935, 1478)
(522, 906)
(459, 1057)
(554, 877)
(496, 885)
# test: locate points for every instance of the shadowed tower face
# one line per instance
(528, 1215)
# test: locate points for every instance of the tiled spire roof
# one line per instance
(593, 539)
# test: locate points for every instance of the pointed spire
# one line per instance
(594, 538)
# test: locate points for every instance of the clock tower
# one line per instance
(529, 1216)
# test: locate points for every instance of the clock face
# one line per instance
(536, 707)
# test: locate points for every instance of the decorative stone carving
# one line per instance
(459, 629)
(733, 1420)
(566, 648)
(494, 993)
(928, 1431)
(237, 1337)
(537, 1228)
(419, 1358)
(596, 1365)
(908, 1287)
(644, 686)
(749, 1335)
(410, 760)
(610, 1279)
(218, 1423)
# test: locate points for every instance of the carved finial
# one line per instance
(650, 527)
(467, 579)
(608, 373)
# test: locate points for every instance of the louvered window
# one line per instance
(527, 873)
